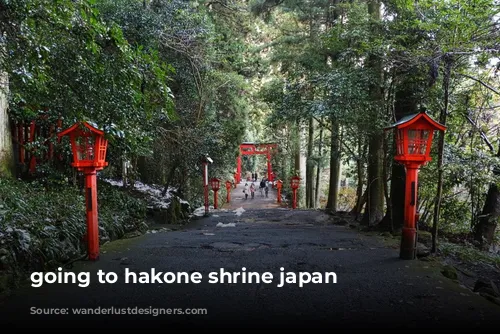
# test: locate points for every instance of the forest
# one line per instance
(174, 80)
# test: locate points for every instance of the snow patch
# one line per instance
(239, 211)
(22, 236)
(199, 212)
(152, 192)
(226, 225)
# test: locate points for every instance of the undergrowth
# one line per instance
(468, 253)
(41, 229)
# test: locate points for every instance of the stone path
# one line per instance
(373, 287)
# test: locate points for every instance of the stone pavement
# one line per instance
(374, 288)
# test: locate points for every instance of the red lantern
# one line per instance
(229, 185)
(295, 182)
(279, 185)
(414, 138)
(88, 145)
(215, 184)
(89, 154)
(413, 143)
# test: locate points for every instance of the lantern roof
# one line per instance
(76, 127)
(410, 119)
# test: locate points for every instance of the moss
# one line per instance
(7, 166)
(449, 272)
(174, 213)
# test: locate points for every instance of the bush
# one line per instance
(41, 229)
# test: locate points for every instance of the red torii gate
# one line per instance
(252, 149)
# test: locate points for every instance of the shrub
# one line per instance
(42, 228)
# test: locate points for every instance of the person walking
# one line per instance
(266, 188)
(262, 187)
(252, 190)
(245, 190)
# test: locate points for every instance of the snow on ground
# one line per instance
(239, 211)
(199, 212)
(226, 225)
(153, 192)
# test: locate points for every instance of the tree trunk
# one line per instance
(484, 230)
(386, 185)
(310, 166)
(333, 189)
(442, 119)
(374, 212)
(318, 168)
(297, 149)
(7, 164)
(356, 211)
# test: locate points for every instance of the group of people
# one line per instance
(263, 187)
(253, 178)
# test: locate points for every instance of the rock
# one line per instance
(422, 251)
(484, 287)
(124, 261)
(353, 226)
(386, 234)
(425, 238)
(449, 272)
(422, 246)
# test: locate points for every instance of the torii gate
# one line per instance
(252, 149)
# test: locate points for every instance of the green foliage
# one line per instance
(41, 228)
(469, 254)
(65, 61)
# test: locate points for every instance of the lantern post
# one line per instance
(89, 146)
(205, 161)
(279, 185)
(215, 184)
(294, 183)
(413, 143)
(228, 190)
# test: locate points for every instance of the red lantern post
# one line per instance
(89, 154)
(279, 185)
(413, 143)
(228, 190)
(294, 183)
(215, 183)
